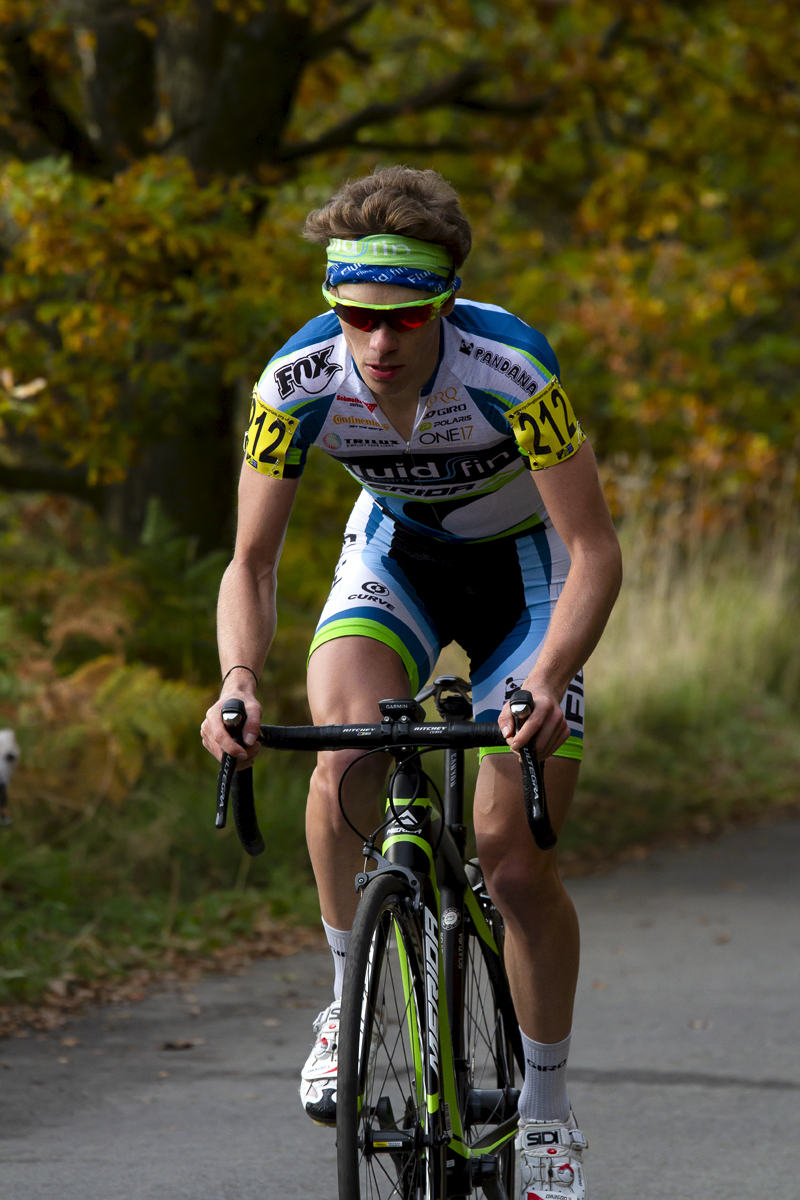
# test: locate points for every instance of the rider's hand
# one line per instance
(216, 738)
(546, 726)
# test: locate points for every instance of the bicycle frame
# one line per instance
(426, 854)
(445, 900)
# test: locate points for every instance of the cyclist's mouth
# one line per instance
(383, 372)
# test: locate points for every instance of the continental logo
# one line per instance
(340, 420)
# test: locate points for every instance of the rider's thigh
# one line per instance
(346, 679)
(501, 825)
(349, 675)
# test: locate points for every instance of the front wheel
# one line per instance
(385, 1126)
(491, 1041)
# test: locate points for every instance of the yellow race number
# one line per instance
(269, 434)
(545, 427)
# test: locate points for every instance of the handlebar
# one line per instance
(521, 705)
(238, 785)
(456, 735)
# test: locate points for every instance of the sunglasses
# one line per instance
(399, 317)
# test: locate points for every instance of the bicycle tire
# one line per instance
(384, 1057)
(489, 1043)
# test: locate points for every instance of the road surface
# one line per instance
(685, 1070)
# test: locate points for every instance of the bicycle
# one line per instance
(429, 1042)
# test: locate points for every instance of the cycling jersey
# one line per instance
(492, 411)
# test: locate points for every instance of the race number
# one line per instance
(269, 434)
(545, 427)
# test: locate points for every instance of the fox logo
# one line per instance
(311, 373)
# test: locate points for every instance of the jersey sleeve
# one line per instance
(272, 445)
(545, 427)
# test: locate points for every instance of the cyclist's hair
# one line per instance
(400, 200)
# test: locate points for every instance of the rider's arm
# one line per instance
(246, 612)
(574, 500)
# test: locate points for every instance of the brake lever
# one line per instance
(521, 705)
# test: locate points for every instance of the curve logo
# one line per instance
(311, 373)
(332, 441)
(375, 589)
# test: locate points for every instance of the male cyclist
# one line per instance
(481, 521)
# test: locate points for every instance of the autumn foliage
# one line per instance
(631, 169)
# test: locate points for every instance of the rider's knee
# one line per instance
(359, 786)
(519, 876)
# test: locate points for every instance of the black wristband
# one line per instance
(240, 667)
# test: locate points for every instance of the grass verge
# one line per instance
(113, 871)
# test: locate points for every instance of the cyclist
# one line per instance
(481, 521)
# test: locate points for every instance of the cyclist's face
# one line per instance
(392, 362)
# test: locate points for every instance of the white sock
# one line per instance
(544, 1092)
(338, 940)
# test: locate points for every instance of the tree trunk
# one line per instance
(193, 476)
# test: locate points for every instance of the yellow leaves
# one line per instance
(742, 297)
(243, 10)
(103, 723)
(147, 27)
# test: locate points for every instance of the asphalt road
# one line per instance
(685, 1068)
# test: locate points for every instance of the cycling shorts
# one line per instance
(415, 594)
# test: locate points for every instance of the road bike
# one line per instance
(429, 1044)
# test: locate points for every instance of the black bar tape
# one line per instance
(244, 812)
(238, 784)
(535, 800)
(461, 735)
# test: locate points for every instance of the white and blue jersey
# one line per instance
(450, 539)
(492, 412)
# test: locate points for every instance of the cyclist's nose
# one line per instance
(383, 340)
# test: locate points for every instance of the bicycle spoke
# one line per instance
(389, 1024)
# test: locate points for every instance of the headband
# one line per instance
(389, 258)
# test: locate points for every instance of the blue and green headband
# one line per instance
(389, 258)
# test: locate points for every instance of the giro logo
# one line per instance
(311, 373)
(375, 589)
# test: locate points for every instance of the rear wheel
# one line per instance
(384, 1128)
